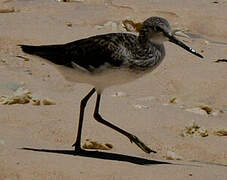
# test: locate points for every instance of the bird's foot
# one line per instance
(140, 144)
(77, 147)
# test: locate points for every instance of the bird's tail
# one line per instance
(54, 53)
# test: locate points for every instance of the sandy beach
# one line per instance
(178, 110)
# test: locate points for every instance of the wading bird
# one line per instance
(110, 59)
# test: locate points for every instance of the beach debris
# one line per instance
(193, 129)
(108, 24)
(216, 112)
(140, 106)
(69, 24)
(197, 110)
(111, 24)
(131, 26)
(98, 27)
(35, 101)
(23, 96)
(206, 42)
(24, 58)
(221, 60)
(48, 102)
(3, 60)
(20, 96)
(206, 108)
(89, 144)
(7, 10)
(220, 132)
(120, 94)
(28, 71)
(173, 100)
(180, 33)
(170, 155)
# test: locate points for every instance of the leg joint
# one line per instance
(83, 102)
(97, 117)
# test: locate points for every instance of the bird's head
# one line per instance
(158, 30)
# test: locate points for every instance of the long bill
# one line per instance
(174, 40)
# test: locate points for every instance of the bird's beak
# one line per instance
(174, 40)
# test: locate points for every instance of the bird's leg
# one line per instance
(131, 137)
(83, 104)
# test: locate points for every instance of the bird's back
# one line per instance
(116, 56)
(90, 53)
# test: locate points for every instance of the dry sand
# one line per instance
(156, 107)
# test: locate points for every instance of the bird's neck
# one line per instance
(143, 38)
(146, 45)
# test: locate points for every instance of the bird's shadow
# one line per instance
(103, 155)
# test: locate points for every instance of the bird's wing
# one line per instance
(94, 52)
(89, 53)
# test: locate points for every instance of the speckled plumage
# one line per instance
(116, 49)
(110, 59)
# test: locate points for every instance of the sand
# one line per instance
(156, 108)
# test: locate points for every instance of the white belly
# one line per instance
(106, 78)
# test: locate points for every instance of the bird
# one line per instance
(110, 59)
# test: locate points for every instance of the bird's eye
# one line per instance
(157, 28)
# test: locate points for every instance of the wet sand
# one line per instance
(156, 108)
